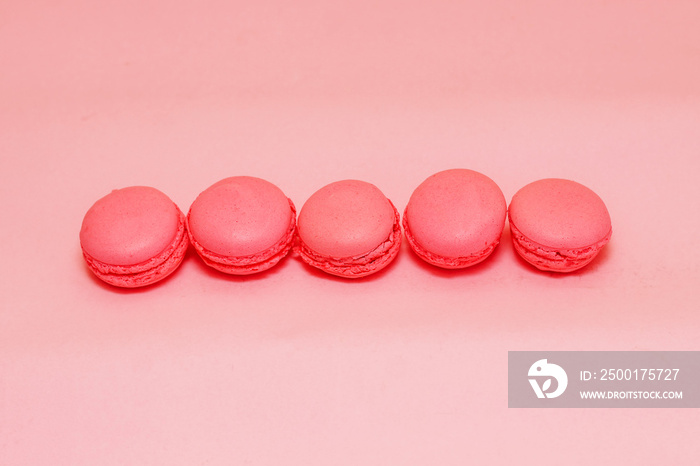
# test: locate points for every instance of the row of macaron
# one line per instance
(242, 225)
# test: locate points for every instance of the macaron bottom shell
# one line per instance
(147, 272)
(555, 260)
(361, 265)
(446, 262)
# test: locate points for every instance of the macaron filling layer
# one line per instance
(443, 261)
(252, 263)
(555, 260)
(359, 265)
(148, 271)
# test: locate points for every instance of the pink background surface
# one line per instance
(292, 366)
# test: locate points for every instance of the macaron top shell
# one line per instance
(456, 213)
(240, 216)
(560, 214)
(346, 218)
(129, 226)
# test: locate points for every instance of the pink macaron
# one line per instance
(558, 225)
(349, 229)
(455, 218)
(133, 237)
(242, 225)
